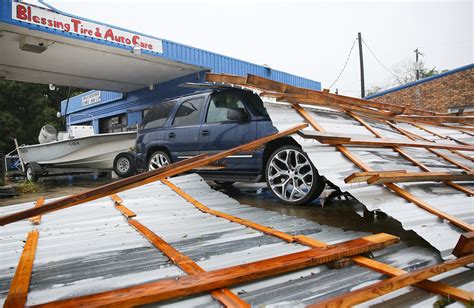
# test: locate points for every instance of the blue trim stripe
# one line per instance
(412, 84)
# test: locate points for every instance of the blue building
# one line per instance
(131, 71)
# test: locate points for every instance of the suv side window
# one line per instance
(189, 112)
(220, 104)
(156, 116)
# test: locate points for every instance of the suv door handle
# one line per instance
(205, 132)
(171, 135)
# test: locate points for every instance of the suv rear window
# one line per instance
(189, 112)
(156, 116)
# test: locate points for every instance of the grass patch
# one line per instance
(28, 187)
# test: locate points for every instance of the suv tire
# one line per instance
(124, 165)
(291, 177)
(157, 160)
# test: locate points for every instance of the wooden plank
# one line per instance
(436, 119)
(233, 79)
(465, 245)
(395, 177)
(461, 188)
(20, 283)
(329, 103)
(121, 208)
(427, 285)
(202, 282)
(420, 203)
(343, 140)
(392, 284)
(450, 160)
(36, 220)
(144, 178)
(358, 177)
(438, 135)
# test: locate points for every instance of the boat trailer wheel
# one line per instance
(32, 171)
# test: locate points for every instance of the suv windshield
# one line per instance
(157, 115)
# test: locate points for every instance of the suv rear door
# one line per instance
(218, 133)
(182, 136)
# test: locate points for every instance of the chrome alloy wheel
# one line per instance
(157, 161)
(290, 175)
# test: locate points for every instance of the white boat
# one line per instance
(78, 150)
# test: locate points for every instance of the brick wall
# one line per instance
(453, 90)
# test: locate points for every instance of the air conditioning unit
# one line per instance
(33, 44)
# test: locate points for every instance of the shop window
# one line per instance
(114, 124)
(189, 112)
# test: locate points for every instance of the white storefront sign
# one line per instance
(91, 98)
(52, 20)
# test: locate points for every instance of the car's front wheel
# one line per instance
(158, 160)
(291, 176)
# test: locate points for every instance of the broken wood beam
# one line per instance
(20, 283)
(202, 282)
(343, 140)
(396, 177)
(465, 245)
(427, 285)
(144, 178)
(436, 119)
(358, 177)
(392, 284)
(37, 219)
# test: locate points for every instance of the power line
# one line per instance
(376, 58)
(345, 64)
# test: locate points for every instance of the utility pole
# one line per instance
(361, 58)
(417, 53)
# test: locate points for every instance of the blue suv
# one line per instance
(215, 120)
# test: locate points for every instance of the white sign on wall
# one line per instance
(37, 16)
(91, 98)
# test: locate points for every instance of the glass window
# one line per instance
(256, 103)
(220, 104)
(114, 124)
(188, 113)
(157, 115)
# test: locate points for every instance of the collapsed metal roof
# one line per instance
(335, 167)
(91, 248)
(215, 244)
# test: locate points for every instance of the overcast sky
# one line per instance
(307, 38)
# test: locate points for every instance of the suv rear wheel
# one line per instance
(291, 176)
(157, 160)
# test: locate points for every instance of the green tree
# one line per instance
(25, 108)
